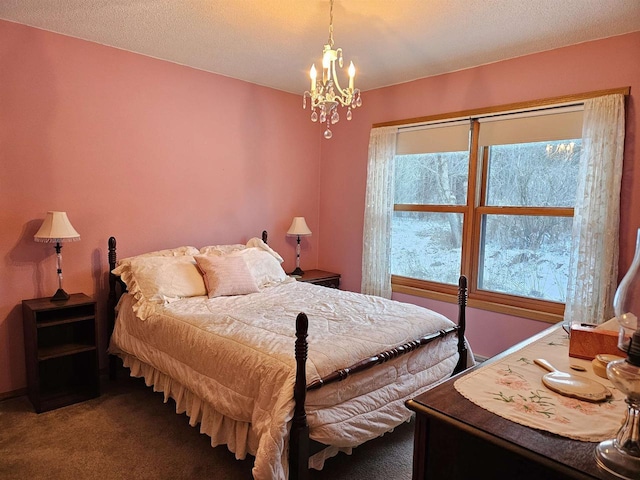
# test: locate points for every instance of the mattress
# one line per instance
(229, 364)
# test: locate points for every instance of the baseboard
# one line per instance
(480, 358)
(12, 394)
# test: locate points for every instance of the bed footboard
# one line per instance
(299, 441)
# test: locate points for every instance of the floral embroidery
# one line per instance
(525, 360)
(587, 408)
(512, 379)
(578, 405)
(535, 403)
(513, 388)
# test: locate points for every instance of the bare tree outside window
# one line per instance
(428, 245)
(525, 229)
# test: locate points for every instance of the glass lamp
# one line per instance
(626, 301)
(57, 228)
(298, 229)
(621, 455)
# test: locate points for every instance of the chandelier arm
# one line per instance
(345, 95)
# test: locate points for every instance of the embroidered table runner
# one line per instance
(512, 388)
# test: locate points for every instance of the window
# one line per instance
(431, 176)
(491, 198)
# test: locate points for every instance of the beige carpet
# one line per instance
(129, 433)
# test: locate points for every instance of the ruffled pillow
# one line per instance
(226, 275)
(161, 279)
(169, 252)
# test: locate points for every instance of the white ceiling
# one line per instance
(273, 43)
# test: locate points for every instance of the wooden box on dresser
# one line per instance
(60, 351)
(320, 277)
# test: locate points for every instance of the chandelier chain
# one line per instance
(331, 24)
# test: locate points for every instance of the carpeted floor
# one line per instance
(129, 433)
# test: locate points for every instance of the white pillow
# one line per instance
(259, 243)
(169, 252)
(163, 279)
(221, 249)
(264, 267)
(226, 275)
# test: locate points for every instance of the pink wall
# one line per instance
(162, 155)
(157, 154)
(598, 65)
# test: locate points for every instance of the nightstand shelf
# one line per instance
(60, 351)
(63, 350)
(321, 277)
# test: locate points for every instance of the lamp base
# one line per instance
(614, 460)
(60, 296)
(297, 272)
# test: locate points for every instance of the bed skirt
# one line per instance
(236, 435)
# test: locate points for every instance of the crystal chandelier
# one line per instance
(327, 94)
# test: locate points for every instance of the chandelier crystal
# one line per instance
(326, 94)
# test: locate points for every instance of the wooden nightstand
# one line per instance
(320, 277)
(60, 351)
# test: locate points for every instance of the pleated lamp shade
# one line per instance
(57, 228)
(298, 227)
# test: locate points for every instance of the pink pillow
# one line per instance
(226, 275)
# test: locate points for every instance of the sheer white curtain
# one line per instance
(593, 266)
(376, 244)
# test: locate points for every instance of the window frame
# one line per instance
(473, 211)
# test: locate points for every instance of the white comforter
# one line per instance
(236, 356)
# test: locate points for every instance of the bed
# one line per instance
(223, 331)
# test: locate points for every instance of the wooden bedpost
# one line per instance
(299, 436)
(111, 304)
(462, 324)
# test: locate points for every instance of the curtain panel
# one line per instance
(593, 265)
(376, 241)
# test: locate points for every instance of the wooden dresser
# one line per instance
(456, 439)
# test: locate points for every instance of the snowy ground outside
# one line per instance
(419, 250)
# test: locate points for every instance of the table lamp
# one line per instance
(298, 229)
(624, 302)
(620, 456)
(57, 228)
